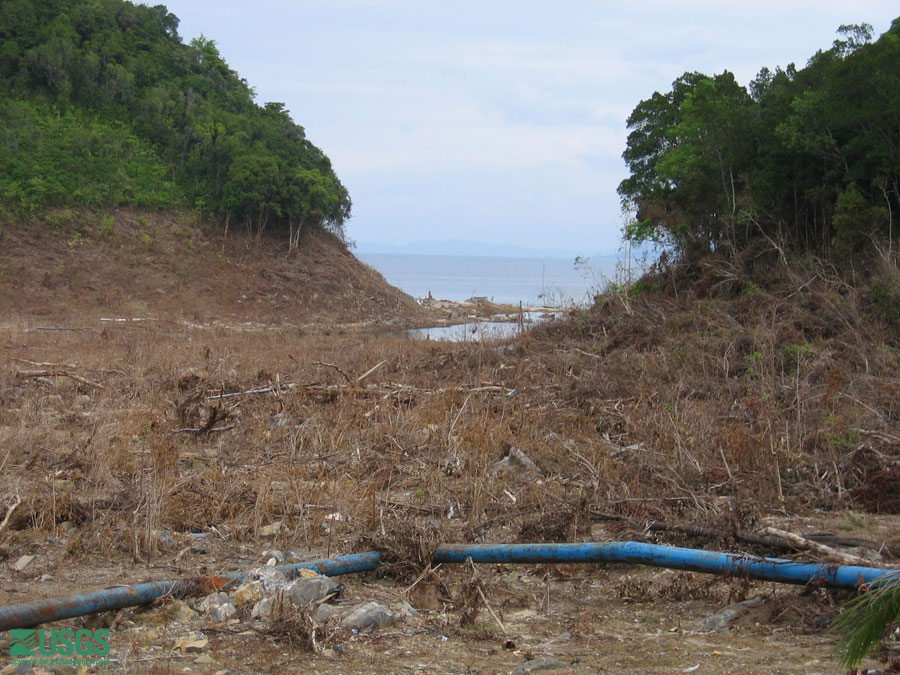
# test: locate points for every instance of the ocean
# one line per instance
(553, 282)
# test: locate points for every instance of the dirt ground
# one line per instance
(198, 443)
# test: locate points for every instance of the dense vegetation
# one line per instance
(807, 159)
(102, 104)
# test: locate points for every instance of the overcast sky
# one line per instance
(498, 122)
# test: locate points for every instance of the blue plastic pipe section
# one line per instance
(712, 562)
(28, 614)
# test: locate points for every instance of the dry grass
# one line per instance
(717, 404)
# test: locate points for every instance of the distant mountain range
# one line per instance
(470, 248)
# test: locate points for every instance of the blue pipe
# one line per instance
(329, 567)
(712, 562)
(28, 614)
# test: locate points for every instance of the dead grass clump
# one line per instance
(559, 523)
(880, 493)
(407, 548)
(297, 627)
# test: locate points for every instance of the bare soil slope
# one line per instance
(81, 266)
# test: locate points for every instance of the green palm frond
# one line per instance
(863, 620)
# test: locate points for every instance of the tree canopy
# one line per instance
(808, 157)
(103, 104)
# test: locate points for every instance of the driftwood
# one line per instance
(807, 544)
(55, 328)
(9, 513)
(386, 389)
(200, 430)
(370, 371)
(251, 392)
(58, 373)
(45, 364)
(699, 531)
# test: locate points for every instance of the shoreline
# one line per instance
(450, 312)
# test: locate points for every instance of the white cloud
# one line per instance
(500, 116)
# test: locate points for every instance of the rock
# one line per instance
(262, 609)
(16, 669)
(165, 540)
(218, 606)
(213, 601)
(370, 615)
(516, 464)
(222, 613)
(324, 612)
(179, 611)
(204, 660)
(721, 619)
(542, 663)
(23, 562)
(276, 556)
(311, 589)
(249, 592)
(195, 642)
(270, 577)
(275, 529)
(46, 577)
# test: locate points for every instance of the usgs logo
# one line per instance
(31, 642)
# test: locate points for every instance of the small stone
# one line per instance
(276, 556)
(249, 592)
(270, 577)
(16, 669)
(223, 613)
(195, 642)
(165, 540)
(46, 577)
(324, 612)
(542, 663)
(370, 615)
(275, 529)
(309, 590)
(179, 611)
(213, 601)
(721, 619)
(516, 464)
(262, 609)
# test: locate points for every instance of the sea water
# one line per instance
(553, 282)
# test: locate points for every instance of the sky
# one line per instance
(501, 121)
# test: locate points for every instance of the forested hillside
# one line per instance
(102, 105)
(808, 159)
